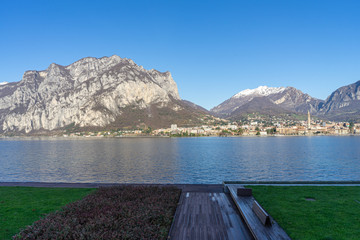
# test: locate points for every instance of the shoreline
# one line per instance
(184, 187)
(212, 136)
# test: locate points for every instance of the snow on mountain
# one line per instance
(3, 83)
(262, 91)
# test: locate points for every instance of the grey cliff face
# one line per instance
(89, 92)
(342, 98)
(343, 104)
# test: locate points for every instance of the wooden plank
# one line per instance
(258, 230)
(208, 216)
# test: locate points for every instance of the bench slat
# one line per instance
(261, 214)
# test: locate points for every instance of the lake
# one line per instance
(179, 160)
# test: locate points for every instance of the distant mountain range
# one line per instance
(341, 105)
(113, 92)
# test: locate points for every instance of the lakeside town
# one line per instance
(251, 126)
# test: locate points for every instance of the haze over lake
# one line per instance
(179, 160)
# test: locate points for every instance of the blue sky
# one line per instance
(213, 49)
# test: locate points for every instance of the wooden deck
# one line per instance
(258, 230)
(202, 215)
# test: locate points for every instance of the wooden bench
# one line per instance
(258, 229)
(261, 214)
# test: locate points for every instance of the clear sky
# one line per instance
(213, 49)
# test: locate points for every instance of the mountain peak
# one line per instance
(266, 100)
(93, 93)
(261, 91)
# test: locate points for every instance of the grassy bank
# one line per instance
(313, 212)
(21, 206)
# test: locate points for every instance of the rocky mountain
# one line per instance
(262, 105)
(343, 103)
(93, 93)
(268, 100)
(197, 107)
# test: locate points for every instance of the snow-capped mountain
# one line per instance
(268, 100)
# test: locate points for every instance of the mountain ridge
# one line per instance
(92, 92)
(116, 92)
(343, 104)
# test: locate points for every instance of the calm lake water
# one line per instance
(179, 160)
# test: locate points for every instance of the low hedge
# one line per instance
(111, 213)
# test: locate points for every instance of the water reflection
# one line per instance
(179, 160)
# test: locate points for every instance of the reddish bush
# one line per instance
(111, 213)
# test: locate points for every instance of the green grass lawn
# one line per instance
(21, 206)
(335, 213)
